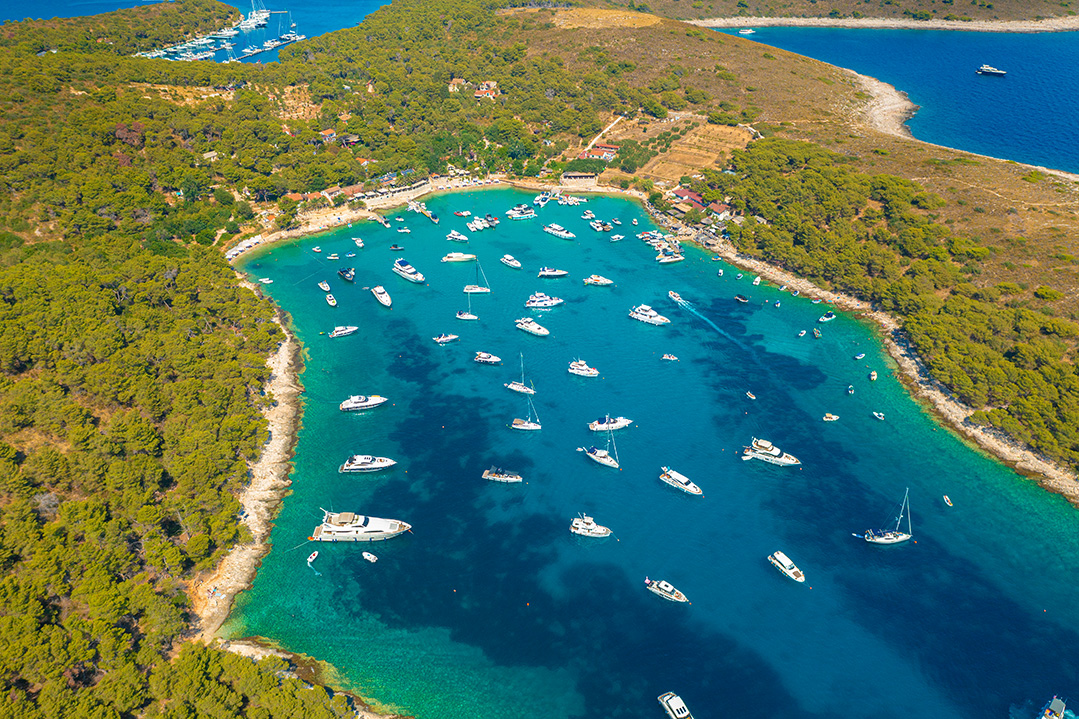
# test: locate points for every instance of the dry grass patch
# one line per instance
(597, 18)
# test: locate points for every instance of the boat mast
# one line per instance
(479, 271)
(610, 442)
(906, 506)
(532, 413)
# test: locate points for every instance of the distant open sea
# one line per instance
(492, 608)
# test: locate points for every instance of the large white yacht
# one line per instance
(680, 481)
(521, 212)
(551, 272)
(671, 702)
(344, 331)
(365, 463)
(764, 450)
(349, 527)
(597, 280)
(783, 563)
(510, 261)
(382, 295)
(502, 475)
(608, 422)
(486, 358)
(410, 273)
(540, 300)
(587, 527)
(458, 257)
(358, 401)
(456, 236)
(532, 327)
(580, 367)
(664, 589)
(646, 314)
(558, 231)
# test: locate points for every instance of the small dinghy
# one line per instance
(312, 556)
(370, 557)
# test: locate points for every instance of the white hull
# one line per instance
(356, 403)
(680, 481)
(520, 387)
(497, 475)
(349, 527)
(412, 276)
(532, 327)
(476, 290)
(525, 425)
(783, 563)
(585, 526)
(665, 590)
(600, 456)
(611, 423)
(365, 463)
(485, 358)
(382, 296)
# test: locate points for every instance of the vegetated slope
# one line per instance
(958, 11)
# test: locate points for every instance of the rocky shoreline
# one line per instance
(1057, 24)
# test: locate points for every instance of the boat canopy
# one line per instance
(784, 560)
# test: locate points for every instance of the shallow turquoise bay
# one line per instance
(492, 608)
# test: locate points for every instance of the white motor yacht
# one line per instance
(529, 325)
(344, 331)
(664, 589)
(580, 367)
(365, 463)
(444, 339)
(667, 258)
(521, 212)
(541, 300)
(608, 422)
(827, 316)
(680, 481)
(331, 300)
(671, 702)
(486, 358)
(597, 280)
(551, 272)
(349, 527)
(558, 231)
(501, 475)
(359, 401)
(510, 261)
(458, 257)
(402, 268)
(585, 526)
(783, 563)
(382, 295)
(764, 450)
(617, 238)
(456, 236)
(646, 314)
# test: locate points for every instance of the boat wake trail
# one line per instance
(693, 310)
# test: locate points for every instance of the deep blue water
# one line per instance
(1028, 116)
(492, 608)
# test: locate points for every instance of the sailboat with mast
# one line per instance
(477, 288)
(467, 314)
(532, 423)
(607, 457)
(894, 535)
(521, 386)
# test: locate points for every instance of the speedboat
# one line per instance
(444, 339)
(608, 422)
(850, 389)
(486, 358)
(463, 213)
(365, 463)
(542, 300)
(829, 417)
(585, 526)
(456, 236)
(359, 401)
(764, 450)
(646, 314)
(551, 272)
(331, 300)
(458, 257)
(382, 295)
(816, 333)
(666, 258)
(634, 220)
(673, 704)
(349, 527)
(750, 395)
(597, 280)
(674, 296)
(664, 589)
(879, 415)
(466, 315)
(334, 256)
(348, 274)
(509, 261)
(588, 215)
(265, 280)
(369, 557)
(580, 367)
(324, 286)
(358, 241)
(312, 556)
(948, 500)
(617, 238)
(402, 268)
(783, 563)
(404, 230)
(827, 316)
(344, 331)
(756, 280)
(396, 247)
(990, 70)
(532, 327)
(316, 248)
(746, 31)
(741, 298)
(669, 357)
(860, 355)
(491, 220)
(777, 303)
(501, 475)
(558, 231)
(802, 333)
(680, 481)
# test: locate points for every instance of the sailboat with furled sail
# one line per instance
(532, 423)
(467, 314)
(521, 386)
(607, 457)
(477, 288)
(893, 535)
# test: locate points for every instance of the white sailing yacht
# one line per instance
(893, 536)
(532, 423)
(467, 314)
(607, 457)
(478, 288)
(521, 386)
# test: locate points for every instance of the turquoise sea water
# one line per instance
(492, 608)
(1028, 116)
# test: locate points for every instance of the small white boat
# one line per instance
(948, 500)
(827, 316)
(750, 395)
(873, 376)
(664, 589)
(669, 357)
(312, 556)
(608, 422)
(530, 424)
(443, 339)
(365, 463)
(829, 417)
(746, 31)
(529, 325)
(458, 257)
(358, 241)
(674, 296)
(456, 236)
(502, 475)
(359, 401)
(551, 272)
(617, 238)
(331, 300)
(333, 256)
(680, 481)
(404, 230)
(783, 563)
(324, 286)
(850, 389)
(370, 557)
(316, 248)
(540, 300)
(665, 258)
(879, 415)
(510, 261)
(350, 254)
(646, 314)
(486, 358)
(558, 231)
(266, 280)
(860, 355)
(521, 386)
(580, 367)
(344, 331)
(585, 526)
(802, 333)
(597, 280)
(382, 295)
(674, 706)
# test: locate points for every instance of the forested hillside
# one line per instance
(958, 11)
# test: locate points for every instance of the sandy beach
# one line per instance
(1058, 24)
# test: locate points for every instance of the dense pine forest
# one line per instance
(132, 364)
